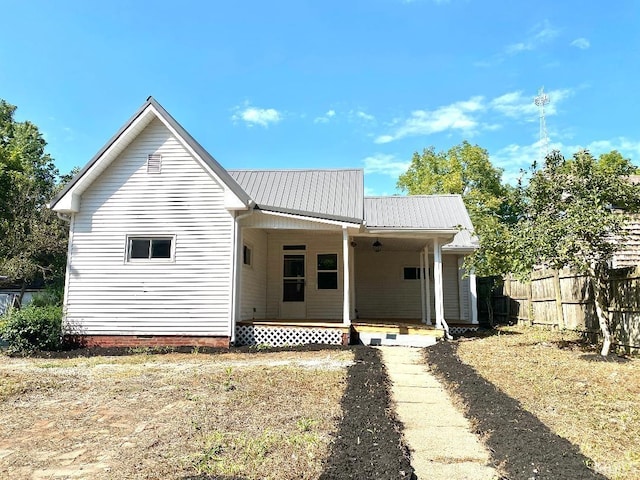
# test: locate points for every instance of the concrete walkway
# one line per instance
(439, 436)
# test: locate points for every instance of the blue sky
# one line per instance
(329, 84)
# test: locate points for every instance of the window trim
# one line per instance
(336, 271)
(420, 271)
(131, 237)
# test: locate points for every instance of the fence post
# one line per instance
(507, 298)
(558, 294)
(530, 300)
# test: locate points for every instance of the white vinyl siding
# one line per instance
(320, 304)
(190, 295)
(382, 292)
(253, 293)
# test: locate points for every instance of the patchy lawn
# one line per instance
(546, 404)
(300, 414)
(229, 415)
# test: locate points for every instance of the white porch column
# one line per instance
(427, 286)
(437, 277)
(461, 292)
(422, 293)
(346, 283)
(473, 294)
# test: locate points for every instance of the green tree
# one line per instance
(32, 239)
(466, 170)
(569, 220)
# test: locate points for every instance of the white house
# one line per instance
(166, 247)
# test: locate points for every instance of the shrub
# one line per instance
(33, 328)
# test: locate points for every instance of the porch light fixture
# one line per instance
(377, 246)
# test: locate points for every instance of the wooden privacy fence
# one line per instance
(563, 299)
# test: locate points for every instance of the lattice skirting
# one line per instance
(281, 336)
(459, 329)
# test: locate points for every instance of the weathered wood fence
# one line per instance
(563, 299)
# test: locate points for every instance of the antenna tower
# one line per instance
(541, 100)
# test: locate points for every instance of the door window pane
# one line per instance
(293, 290)
(293, 266)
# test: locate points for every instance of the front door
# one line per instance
(293, 286)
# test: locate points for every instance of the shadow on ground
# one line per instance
(521, 445)
(87, 352)
(368, 444)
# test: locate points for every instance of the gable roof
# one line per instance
(328, 194)
(150, 109)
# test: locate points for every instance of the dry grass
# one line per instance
(592, 403)
(249, 415)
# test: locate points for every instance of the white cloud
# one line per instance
(513, 158)
(457, 116)
(257, 116)
(365, 116)
(385, 164)
(540, 34)
(326, 117)
(517, 105)
(581, 43)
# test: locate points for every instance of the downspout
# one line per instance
(67, 273)
(236, 279)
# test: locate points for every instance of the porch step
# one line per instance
(396, 339)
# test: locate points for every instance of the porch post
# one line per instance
(461, 302)
(437, 277)
(473, 293)
(346, 283)
(427, 286)
(422, 296)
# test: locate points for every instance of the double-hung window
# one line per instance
(327, 271)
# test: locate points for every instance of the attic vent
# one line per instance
(154, 163)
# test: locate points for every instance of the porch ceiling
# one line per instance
(391, 244)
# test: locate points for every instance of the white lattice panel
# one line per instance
(460, 330)
(281, 336)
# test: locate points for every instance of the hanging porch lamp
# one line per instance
(377, 246)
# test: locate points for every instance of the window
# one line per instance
(294, 247)
(327, 271)
(246, 255)
(154, 163)
(411, 273)
(150, 248)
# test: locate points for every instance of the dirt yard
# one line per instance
(546, 404)
(230, 416)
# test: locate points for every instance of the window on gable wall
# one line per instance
(327, 271)
(140, 249)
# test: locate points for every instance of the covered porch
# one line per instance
(305, 280)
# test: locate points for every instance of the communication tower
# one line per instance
(541, 100)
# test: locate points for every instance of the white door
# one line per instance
(293, 303)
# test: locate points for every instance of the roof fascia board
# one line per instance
(411, 231)
(312, 215)
(241, 200)
(69, 198)
(70, 194)
(310, 219)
